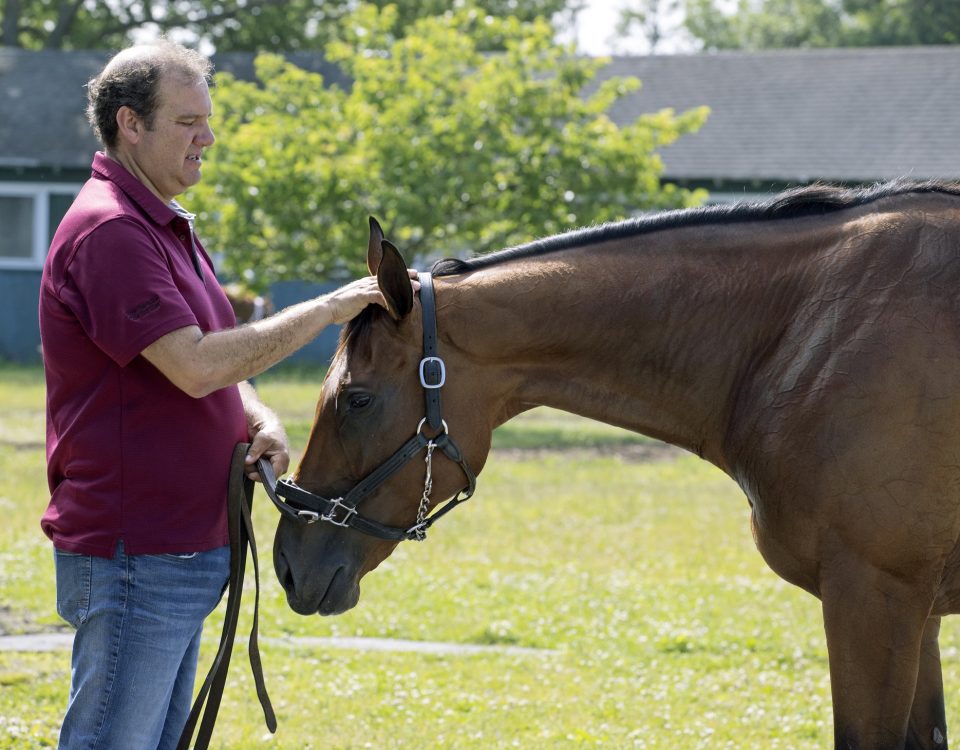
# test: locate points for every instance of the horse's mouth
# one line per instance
(342, 594)
(339, 595)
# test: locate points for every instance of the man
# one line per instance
(144, 408)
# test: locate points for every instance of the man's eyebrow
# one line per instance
(193, 116)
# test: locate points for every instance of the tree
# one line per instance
(454, 150)
(763, 24)
(249, 25)
(903, 22)
(650, 16)
(93, 24)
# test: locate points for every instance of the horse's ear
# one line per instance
(394, 282)
(374, 247)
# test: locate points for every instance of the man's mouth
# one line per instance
(196, 157)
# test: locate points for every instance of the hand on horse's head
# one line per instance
(348, 301)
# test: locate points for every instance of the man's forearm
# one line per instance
(259, 415)
(267, 436)
(200, 363)
(238, 354)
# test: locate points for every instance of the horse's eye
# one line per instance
(359, 400)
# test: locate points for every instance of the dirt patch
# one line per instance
(13, 622)
(23, 445)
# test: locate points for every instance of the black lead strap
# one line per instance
(207, 702)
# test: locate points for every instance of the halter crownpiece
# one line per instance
(302, 506)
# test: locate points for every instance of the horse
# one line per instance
(808, 345)
(248, 307)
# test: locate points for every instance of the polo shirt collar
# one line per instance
(156, 209)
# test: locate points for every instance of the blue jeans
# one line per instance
(138, 620)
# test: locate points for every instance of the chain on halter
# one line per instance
(419, 529)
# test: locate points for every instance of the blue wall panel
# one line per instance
(20, 331)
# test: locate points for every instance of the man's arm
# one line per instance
(267, 436)
(200, 363)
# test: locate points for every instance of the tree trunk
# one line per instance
(9, 32)
(65, 16)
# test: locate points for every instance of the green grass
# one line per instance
(655, 621)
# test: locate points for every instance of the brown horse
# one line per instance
(809, 346)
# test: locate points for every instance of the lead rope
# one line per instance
(207, 702)
(419, 529)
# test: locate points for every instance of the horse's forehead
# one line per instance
(366, 361)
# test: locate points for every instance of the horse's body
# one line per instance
(808, 347)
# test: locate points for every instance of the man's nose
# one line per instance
(206, 137)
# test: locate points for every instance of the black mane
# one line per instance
(811, 200)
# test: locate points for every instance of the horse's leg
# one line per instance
(874, 623)
(928, 721)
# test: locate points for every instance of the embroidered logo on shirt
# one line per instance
(144, 308)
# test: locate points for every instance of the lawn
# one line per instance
(626, 571)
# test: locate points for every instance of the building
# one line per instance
(789, 117)
(777, 118)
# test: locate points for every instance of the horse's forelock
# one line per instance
(355, 335)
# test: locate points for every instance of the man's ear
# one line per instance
(129, 125)
(374, 247)
(394, 281)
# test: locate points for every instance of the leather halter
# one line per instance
(302, 506)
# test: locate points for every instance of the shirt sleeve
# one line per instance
(120, 287)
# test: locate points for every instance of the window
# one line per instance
(29, 215)
(16, 218)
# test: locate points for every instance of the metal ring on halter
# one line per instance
(424, 421)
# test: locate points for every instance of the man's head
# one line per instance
(150, 107)
(132, 79)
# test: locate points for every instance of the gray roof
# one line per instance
(43, 118)
(800, 115)
(786, 116)
(42, 121)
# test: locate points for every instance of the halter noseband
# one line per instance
(302, 506)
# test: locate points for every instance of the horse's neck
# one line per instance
(655, 339)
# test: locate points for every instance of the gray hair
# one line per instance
(132, 79)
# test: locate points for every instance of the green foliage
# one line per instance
(649, 16)
(453, 149)
(277, 25)
(408, 12)
(903, 22)
(765, 24)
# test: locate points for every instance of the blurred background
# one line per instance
(467, 127)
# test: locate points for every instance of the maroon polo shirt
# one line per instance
(129, 455)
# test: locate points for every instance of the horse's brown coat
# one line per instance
(810, 349)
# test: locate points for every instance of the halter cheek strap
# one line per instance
(433, 373)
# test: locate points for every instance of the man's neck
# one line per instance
(127, 162)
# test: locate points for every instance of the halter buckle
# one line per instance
(423, 374)
(308, 516)
(335, 505)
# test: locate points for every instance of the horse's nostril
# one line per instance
(283, 569)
